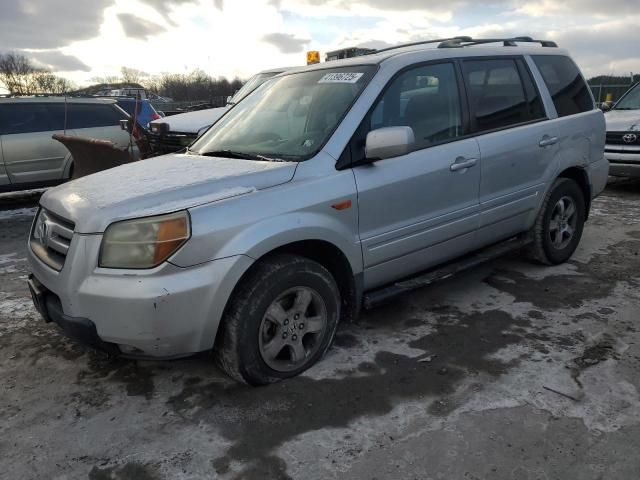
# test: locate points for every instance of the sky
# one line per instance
(84, 39)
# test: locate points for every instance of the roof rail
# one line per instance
(424, 42)
(507, 42)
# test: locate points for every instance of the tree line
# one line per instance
(20, 76)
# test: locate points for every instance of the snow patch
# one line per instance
(18, 212)
(15, 313)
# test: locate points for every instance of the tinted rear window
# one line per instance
(567, 87)
(497, 94)
(92, 115)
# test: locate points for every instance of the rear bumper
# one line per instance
(598, 173)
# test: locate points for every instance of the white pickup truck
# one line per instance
(173, 133)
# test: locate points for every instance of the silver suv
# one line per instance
(324, 189)
(29, 157)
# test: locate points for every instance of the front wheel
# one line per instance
(558, 228)
(280, 321)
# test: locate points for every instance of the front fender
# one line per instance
(263, 221)
(266, 236)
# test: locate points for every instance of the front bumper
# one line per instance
(81, 329)
(623, 164)
(165, 312)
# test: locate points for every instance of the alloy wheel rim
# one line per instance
(292, 329)
(562, 224)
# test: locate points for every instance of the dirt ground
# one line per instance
(509, 371)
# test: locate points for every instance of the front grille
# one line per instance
(171, 142)
(50, 238)
(617, 138)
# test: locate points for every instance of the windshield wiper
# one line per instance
(239, 155)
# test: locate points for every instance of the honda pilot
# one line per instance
(330, 187)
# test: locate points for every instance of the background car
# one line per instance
(176, 132)
(30, 158)
(623, 135)
(142, 112)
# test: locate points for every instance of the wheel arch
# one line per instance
(579, 175)
(329, 256)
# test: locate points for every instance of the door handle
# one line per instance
(548, 141)
(462, 163)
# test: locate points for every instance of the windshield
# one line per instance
(250, 85)
(631, 100)
(290, 118)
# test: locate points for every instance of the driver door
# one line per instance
(419, 209)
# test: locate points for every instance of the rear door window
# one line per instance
(568, 89)
(425, 98)
(497, 94)
(92, 115)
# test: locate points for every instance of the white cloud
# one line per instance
(241, 37)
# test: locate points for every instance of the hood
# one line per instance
(622, 120)
(159, 185)
(192, 122)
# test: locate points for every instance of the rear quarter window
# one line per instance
(93, 115)
(568, 89)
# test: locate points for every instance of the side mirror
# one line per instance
(229, 99)
(605, 106)
(126, 125)
(389, 142)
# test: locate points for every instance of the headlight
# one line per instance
(144, 242)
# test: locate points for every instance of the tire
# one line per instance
(559, 225)
(267, 333)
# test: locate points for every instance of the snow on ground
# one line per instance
(18, 212)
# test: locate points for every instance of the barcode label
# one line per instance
(341, 77)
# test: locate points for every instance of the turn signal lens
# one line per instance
(171, 234)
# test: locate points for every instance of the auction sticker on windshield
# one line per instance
(341, 77)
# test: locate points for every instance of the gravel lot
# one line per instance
(509, 371)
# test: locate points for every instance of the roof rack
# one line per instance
(424, 42)
(507, 42)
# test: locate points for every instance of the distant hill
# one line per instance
(613, 80)
(93, 89)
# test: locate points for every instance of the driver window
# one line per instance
(426, 99)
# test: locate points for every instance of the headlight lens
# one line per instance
(144, 242)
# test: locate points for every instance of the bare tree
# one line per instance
(132, 75)
(20, 77)
(16, 72)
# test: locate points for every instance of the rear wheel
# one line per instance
(558, 228)
(280, 321)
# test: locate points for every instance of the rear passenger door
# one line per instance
(419, 209)
(30, 154)
(517, 145)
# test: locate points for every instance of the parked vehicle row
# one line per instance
(623, 135)
(29, 157)
(321, 192)
(177, 132)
